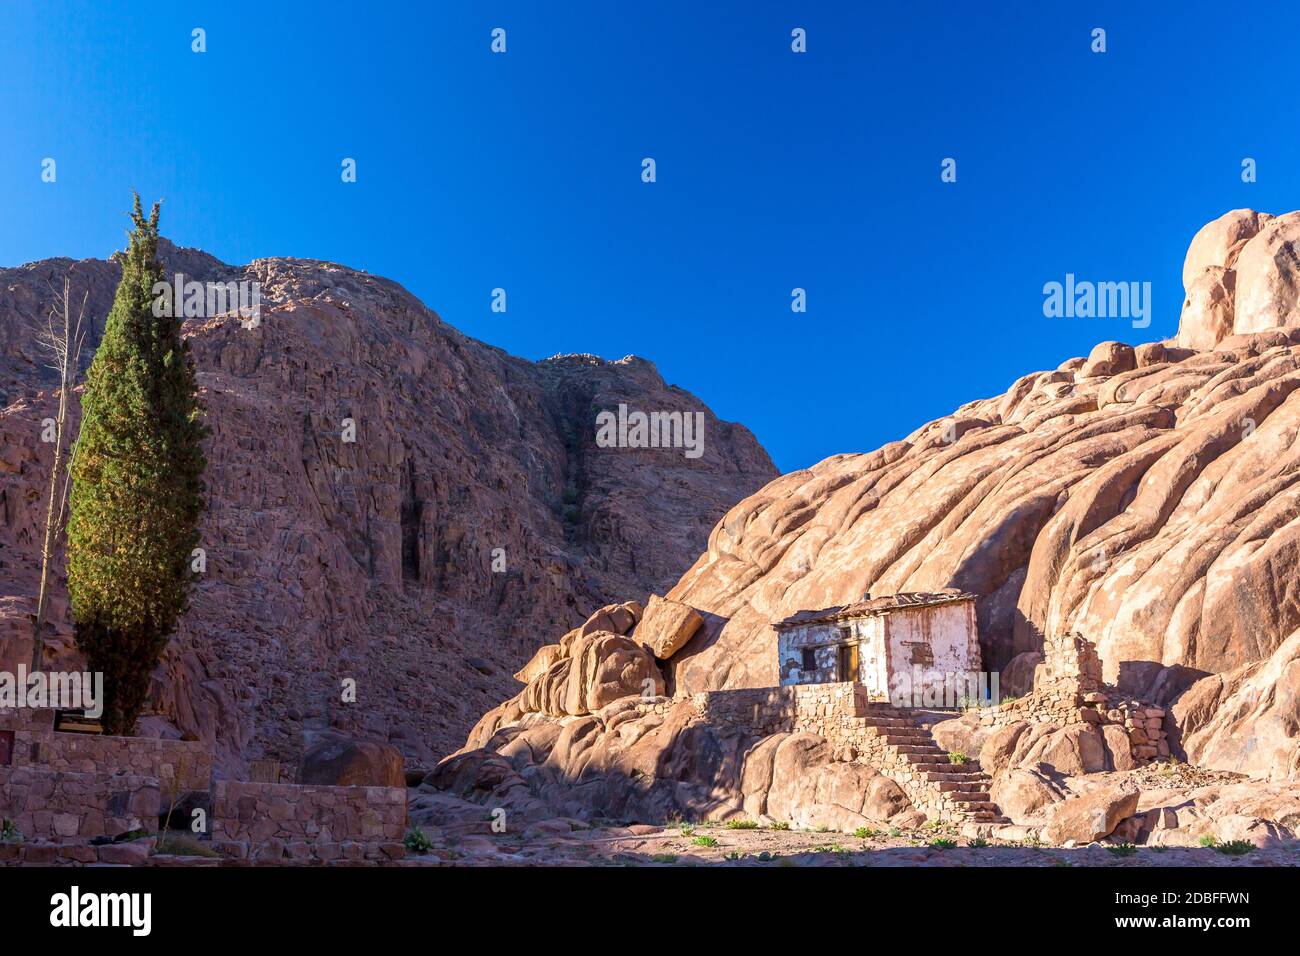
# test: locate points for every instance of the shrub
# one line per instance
(864, 833)
(705, 841)
(9, 832)
(417, 841)
(958, 757)
(742, 825)
(664, 858)
(943, 843)
(780, 825)
(1122, 849)
(1235, 847)
(978, 844)
(1209, 840)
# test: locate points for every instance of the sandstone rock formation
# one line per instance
(1145, 499)
(1241, 275)
(472, 513)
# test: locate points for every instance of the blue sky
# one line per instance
(775, 170)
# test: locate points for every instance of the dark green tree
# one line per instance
(137, 484)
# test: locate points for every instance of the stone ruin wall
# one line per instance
(178, 765)
(1068, 689)
(61, 790)
(60, 805)
(299, 824)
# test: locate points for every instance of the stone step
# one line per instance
(926, 758)
(974, 801)
(948, 782)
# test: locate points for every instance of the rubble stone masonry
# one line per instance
(61, 805)
(268, 822)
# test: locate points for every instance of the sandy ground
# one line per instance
(549, 844)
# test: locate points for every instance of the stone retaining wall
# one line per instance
(269, 822)
(35, 743)
(772, 710)
(51, 804)
(186, 761)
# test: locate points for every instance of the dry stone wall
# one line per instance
(60, 805)
(267, 822)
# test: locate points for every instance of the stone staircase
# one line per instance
(906, 752)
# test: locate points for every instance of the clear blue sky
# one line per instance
(775, 171)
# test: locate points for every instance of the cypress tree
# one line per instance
(137, 485)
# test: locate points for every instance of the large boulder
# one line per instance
(1109, 358)
(336, 760)
(1268, 277)
(1208, 309)
(599, 668)
(1023, 794)
(1017, 678)
(1073, 750)
(539, 663)
(666, 626)
(1087, 818)
(1218, 243)
(1258, 704)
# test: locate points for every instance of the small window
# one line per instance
(809, 662)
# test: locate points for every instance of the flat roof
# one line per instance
(903, 601)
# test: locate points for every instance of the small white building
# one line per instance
(883, 643)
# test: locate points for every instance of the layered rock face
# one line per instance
(1151, 509)
(390, 503)
(1145, 499)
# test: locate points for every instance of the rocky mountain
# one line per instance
(1144, 498)
(389, 501)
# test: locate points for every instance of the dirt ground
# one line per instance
(715, 844)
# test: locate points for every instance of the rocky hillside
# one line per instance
(371, 559)
(1147, 499)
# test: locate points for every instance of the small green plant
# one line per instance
(733, 855)
(822, 830)
(1007, 698)
(1122, 849)
(895, 832)
(417, 841)
(176, 843)
(687, 830)
(943, 843)
(978, 844)
(956, 756)
(864, 833)
(1209, 840)
(742, 824)
(705, 841)
(932, 825)
(664, 858)
(1235, 847)
(780, 825)
(9, 832)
